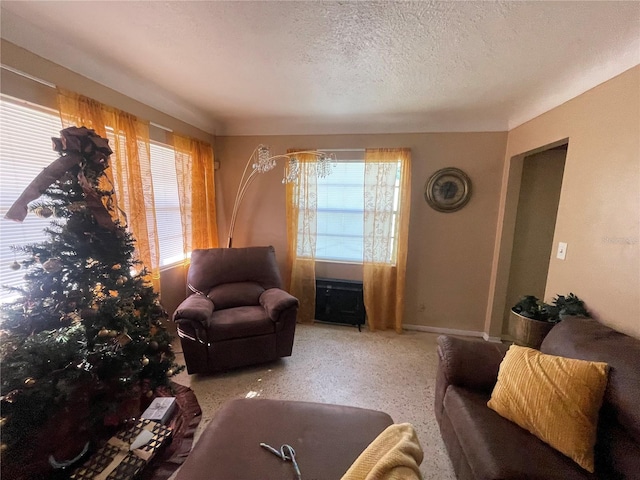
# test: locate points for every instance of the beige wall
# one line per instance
(599, 210)
(450, 254)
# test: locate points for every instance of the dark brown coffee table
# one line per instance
(327, 439)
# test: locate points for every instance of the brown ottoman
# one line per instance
(327, 440)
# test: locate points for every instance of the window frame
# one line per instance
(355, 156)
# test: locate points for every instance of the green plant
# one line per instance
(532, 307)
(567, 305)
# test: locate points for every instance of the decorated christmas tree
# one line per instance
(83, 347)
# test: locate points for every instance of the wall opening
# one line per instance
(537, 208)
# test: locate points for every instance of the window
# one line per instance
(165, 196)
(340, 210)
(25, 149)
(165, 192)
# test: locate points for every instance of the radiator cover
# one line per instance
(340, 301)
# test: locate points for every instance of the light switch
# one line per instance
(562, 250)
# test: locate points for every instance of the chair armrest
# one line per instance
(471, 364)
(275, 301)
(195, 307)
(192, 330)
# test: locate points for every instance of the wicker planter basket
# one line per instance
(527, 332)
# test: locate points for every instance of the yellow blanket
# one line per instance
(395, 454)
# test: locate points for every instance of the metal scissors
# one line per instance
(286, 453)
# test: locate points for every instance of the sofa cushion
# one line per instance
(238, 323)
(456, 354)
(239, 294)
(588, 339)
(496, 448)
(618, 447)
(214, 266)
(555, 398)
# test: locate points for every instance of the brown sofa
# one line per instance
(484, 445)
(237, 314)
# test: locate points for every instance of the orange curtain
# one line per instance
(386, 228)
(301, 209)
(197, 193)
(130, 172)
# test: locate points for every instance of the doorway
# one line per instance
(537, 210)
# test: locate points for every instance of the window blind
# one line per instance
(340, 223)
(25, 149)
(165, 192)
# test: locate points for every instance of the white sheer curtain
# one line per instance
(302, 204)
(386, 225)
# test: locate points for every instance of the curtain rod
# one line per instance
(342, 149)
(26, 75)
(52, 85)
(160, 126)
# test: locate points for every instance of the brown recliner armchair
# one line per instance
(238, 313)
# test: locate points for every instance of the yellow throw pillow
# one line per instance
(555, 398)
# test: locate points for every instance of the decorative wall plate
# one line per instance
(448, 190)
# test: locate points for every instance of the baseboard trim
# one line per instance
(491, 339)
(453, 331)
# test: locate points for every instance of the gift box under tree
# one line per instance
(116, 460)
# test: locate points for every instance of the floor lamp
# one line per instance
(261, 161)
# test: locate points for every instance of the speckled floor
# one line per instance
(337, 364)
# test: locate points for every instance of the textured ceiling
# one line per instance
(272, 67)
